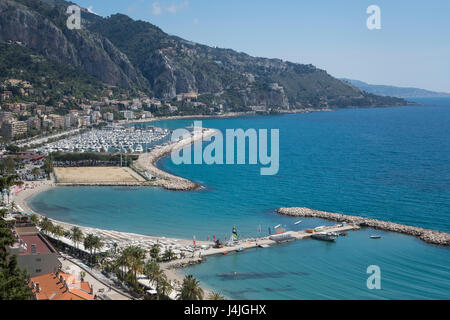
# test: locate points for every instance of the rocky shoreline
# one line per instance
(168, 181)
(427, 235)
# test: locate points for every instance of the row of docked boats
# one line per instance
(110, 139)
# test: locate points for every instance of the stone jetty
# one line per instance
(427, 235)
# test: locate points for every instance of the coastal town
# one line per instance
(88, 147)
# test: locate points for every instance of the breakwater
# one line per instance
(146, 162)
(426, 235)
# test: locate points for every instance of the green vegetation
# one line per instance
(76, 235)
(94, 157)
(190, 289)
(50, 81)
(92, 243)
(12, 279)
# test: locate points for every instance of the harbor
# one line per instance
(111, 138)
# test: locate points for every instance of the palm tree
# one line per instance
(168, 255)
(190, 289)
(133, 259)
(48, 166)
(35, 172)
(58, 231)
(157, 276)
(215, 296)
(97, 244)
(46, 225)
(76, 236)
(34, 218)
(154, 251)
(89, 243)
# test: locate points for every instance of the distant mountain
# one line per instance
(141, 57)
(392, 91)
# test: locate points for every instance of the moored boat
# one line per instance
(324, 236)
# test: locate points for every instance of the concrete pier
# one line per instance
(266, 241)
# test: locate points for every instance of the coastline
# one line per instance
(147, 162)
(427, 235)
(222, 116)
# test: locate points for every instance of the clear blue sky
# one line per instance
(411, 49)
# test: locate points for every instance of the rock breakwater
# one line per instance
(426, 235)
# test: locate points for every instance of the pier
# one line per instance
(267, 242)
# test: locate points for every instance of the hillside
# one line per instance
(141, 57)
(44, 80)
(173, 65)
(400, 92)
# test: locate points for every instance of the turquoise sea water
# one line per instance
(391, 164)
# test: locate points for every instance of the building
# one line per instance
(34, 123)
(13, 129)
(58, 121)
(68, 122)
(47, 124)
(60, 286)
(6, 95)
(95, 116)
(108, 116)
(34, 253)
(128, 114)
(6, 116)
(192, 96)
(84, 120)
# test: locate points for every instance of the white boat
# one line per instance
(277, 226)
(139, 148)
(298, 222)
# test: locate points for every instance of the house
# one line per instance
(34, 253)
(60, 286)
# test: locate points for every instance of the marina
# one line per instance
(111, 139)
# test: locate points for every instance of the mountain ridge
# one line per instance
(395, 91)
(140, 56)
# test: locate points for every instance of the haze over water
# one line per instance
(390, 164)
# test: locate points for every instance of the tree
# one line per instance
(92, 243)
(58, 231)
(132, 258)
(35, 172)
(76, 236)
(3, 212)
(48, 166)
(215, 296)
(12, 279)
(168, 255)
(157, 276)
(46, 225)
(190, 289)
(34, 218)
(154, 251)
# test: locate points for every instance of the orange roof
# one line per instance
(51, 288)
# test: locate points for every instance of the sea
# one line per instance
(384, 163)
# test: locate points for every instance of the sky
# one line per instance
(412, 48)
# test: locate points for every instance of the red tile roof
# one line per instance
(51, 288)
